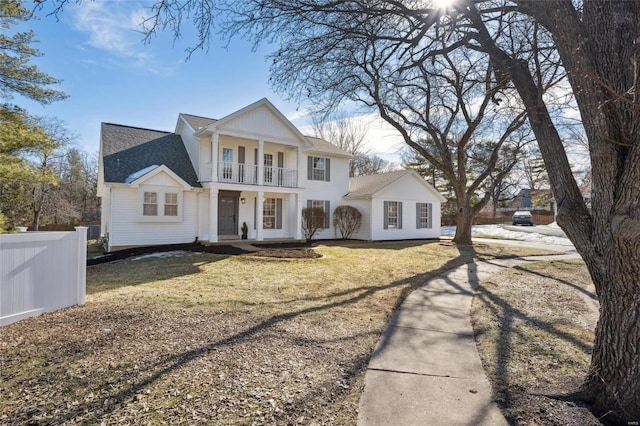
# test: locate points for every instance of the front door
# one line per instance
(227, 216)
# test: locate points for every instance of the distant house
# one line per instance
(206, 178)
(529, 198)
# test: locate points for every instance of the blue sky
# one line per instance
(111, 76)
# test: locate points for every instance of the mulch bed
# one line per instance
(275, 250)
(137, 251)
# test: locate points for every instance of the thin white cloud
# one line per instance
(115, 28)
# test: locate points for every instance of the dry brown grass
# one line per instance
(534, 331)
(203, 338)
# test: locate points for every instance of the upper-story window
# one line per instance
(268, 168)
(318, 168)
(227, 163)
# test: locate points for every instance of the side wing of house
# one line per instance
(148, 186)
(156, 208)
(394, 206)
(409, 208)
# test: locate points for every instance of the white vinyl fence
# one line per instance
(41, 272)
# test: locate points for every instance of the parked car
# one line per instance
(522, 218)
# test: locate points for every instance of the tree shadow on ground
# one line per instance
(142, 270)
(520, 403)
(115, 391)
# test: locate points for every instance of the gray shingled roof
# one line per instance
(365, 186)
(320, 145)
(196, 121)
(127, 150)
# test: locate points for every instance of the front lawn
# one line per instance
(534, 329)
(201, 338)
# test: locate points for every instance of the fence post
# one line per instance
(81, 279)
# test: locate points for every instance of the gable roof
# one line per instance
(366, 186)
(196, 121)
(127, 150)
(323, 147)
(262, 102)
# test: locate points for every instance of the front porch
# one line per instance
(270, 216)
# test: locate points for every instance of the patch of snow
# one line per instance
(140, 173)
(498, 231)
(165, 254)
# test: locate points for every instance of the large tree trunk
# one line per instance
(613, 382)
(599, 50)
(464, 221)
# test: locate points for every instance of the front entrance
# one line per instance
(227, 214)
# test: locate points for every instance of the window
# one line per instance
(159, 204)
(324, 205)
(227, 163)
(423, 215)
(150, 205)
(268, 168)
(318, 168)
(272, 213)
(392, 215)
(171, 204)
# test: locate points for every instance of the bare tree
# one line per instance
(363, 51)
(350, 135)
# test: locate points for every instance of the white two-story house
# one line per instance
(207, 178)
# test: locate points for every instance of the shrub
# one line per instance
(347, 220)
(312, 220)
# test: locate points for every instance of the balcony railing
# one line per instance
(237, 173)
(248, 174)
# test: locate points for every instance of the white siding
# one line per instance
(409, 191)
(333, 191)
(105, 212)
(127, 230)
(161, 179)
(191, 144)
(364, 206)
(261, 121)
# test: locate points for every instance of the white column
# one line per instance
(261, 163)
(259, 217)
(214, 158)
(213, 215)
(298, 216)
(300, 167)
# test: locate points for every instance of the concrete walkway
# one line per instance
(425, 369)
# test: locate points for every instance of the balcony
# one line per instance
(247, 174)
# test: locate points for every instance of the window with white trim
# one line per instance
(423, 215)
(150, 204)
(272, 213)
(318, 168)
(227, 163)
(158, 203)
(392, 215)
(171, 204)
